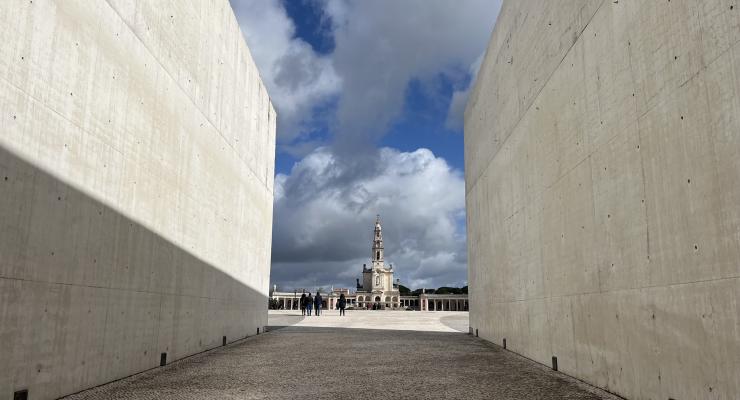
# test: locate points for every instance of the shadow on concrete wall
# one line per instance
(88, 295)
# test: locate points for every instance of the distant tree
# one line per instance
(404, 290)
(444, 290)
(441, 290)
(452, 290)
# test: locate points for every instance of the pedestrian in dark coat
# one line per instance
(309, 304)
(317, 303)
(303, 304)
(342, 304)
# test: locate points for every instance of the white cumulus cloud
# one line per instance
(297, 78)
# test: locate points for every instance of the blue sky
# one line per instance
(310, 24)
(369, 96)
(422, 123)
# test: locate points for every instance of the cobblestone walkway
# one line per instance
(305, 362)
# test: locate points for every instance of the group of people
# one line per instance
(308, 302)
(314, 303)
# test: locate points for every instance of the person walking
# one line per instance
(303, 304)
(342, 304)
(309, 304)
(317, 303)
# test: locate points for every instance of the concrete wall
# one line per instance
(136, 187)
(602, 144)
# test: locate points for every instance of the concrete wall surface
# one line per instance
(137, 148)
(602, 162)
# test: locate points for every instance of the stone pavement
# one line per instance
(312, 358)
(442, 321)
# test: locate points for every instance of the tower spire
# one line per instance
(377, 256)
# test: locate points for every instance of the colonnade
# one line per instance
(424, 302)
(448, 305)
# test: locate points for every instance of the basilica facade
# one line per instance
(378, 289)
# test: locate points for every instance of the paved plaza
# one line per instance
(366, 354)
(386, 320)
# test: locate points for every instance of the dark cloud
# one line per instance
(382, 45)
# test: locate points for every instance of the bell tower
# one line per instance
(378, 289)
(377, 256)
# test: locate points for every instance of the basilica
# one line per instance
(378, 289)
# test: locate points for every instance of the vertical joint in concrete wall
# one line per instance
(163, 359)
(554, 363)
(21, 395)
